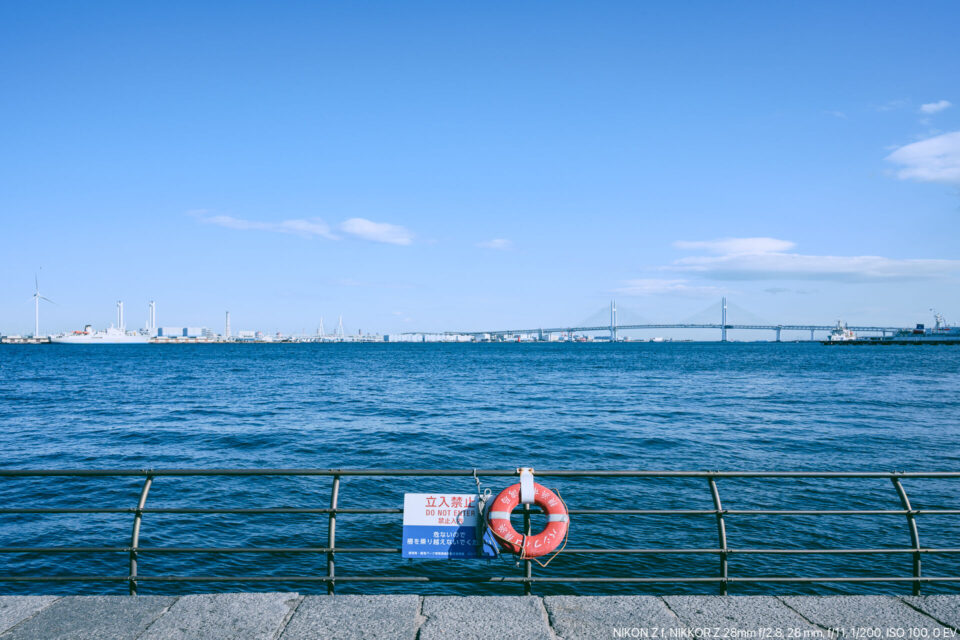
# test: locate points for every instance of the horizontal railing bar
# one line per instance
(190, 510)
(595, 473)
(471, 579)
(199, 550)
(535, 510)
(378, 550)
(760, 551)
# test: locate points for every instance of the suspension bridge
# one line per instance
(723, 326)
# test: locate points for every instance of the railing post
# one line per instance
(721, 534)
(914, 534)
(135, 534)
(332, 534)
(527, 564)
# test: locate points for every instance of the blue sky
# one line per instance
(453, 165)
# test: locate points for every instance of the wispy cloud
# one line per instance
(836, 114)
(737, 246)
(935, 107)
(377, 231)
(353, 282)
(770, 259)
(660, 286)
(312, 228)
(778, 290)
(893, 105)
(403, 316)
(935, 159)
(501, 244)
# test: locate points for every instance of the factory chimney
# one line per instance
(152, 318)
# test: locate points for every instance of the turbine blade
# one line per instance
(47, 299)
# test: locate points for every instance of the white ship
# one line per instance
(112, 335)
(840, 333)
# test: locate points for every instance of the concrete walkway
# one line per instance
(290, 616)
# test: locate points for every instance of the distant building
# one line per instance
(185, 332)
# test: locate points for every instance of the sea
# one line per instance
(593, 406)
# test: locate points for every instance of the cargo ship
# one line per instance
(940, 333)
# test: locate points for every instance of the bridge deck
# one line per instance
(640, 327)
(290, 616)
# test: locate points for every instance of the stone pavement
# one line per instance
(290, 616)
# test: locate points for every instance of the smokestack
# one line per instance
(226, 331)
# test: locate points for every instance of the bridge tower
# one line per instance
(723, 319)
(613, 321)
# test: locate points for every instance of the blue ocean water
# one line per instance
(671, 406)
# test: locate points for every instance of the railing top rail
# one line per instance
(579, 473)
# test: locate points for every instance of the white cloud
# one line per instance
(935, 159)
(768, 259)
(314, 227)
(659, 286)
(737, 246)
(377, 231)
(306, 228)
(935, 107)
(496, 243)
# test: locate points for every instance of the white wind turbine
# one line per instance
(36, 305)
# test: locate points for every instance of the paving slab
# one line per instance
(16, 609)
(225, 616)
(610, 616)
(87, 617)
(945, 609)
(348, 617)
(725, 616)
(484, 617)
(890, 615)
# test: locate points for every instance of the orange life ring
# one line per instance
(498, 517)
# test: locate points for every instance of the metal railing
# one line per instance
(723, 551)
